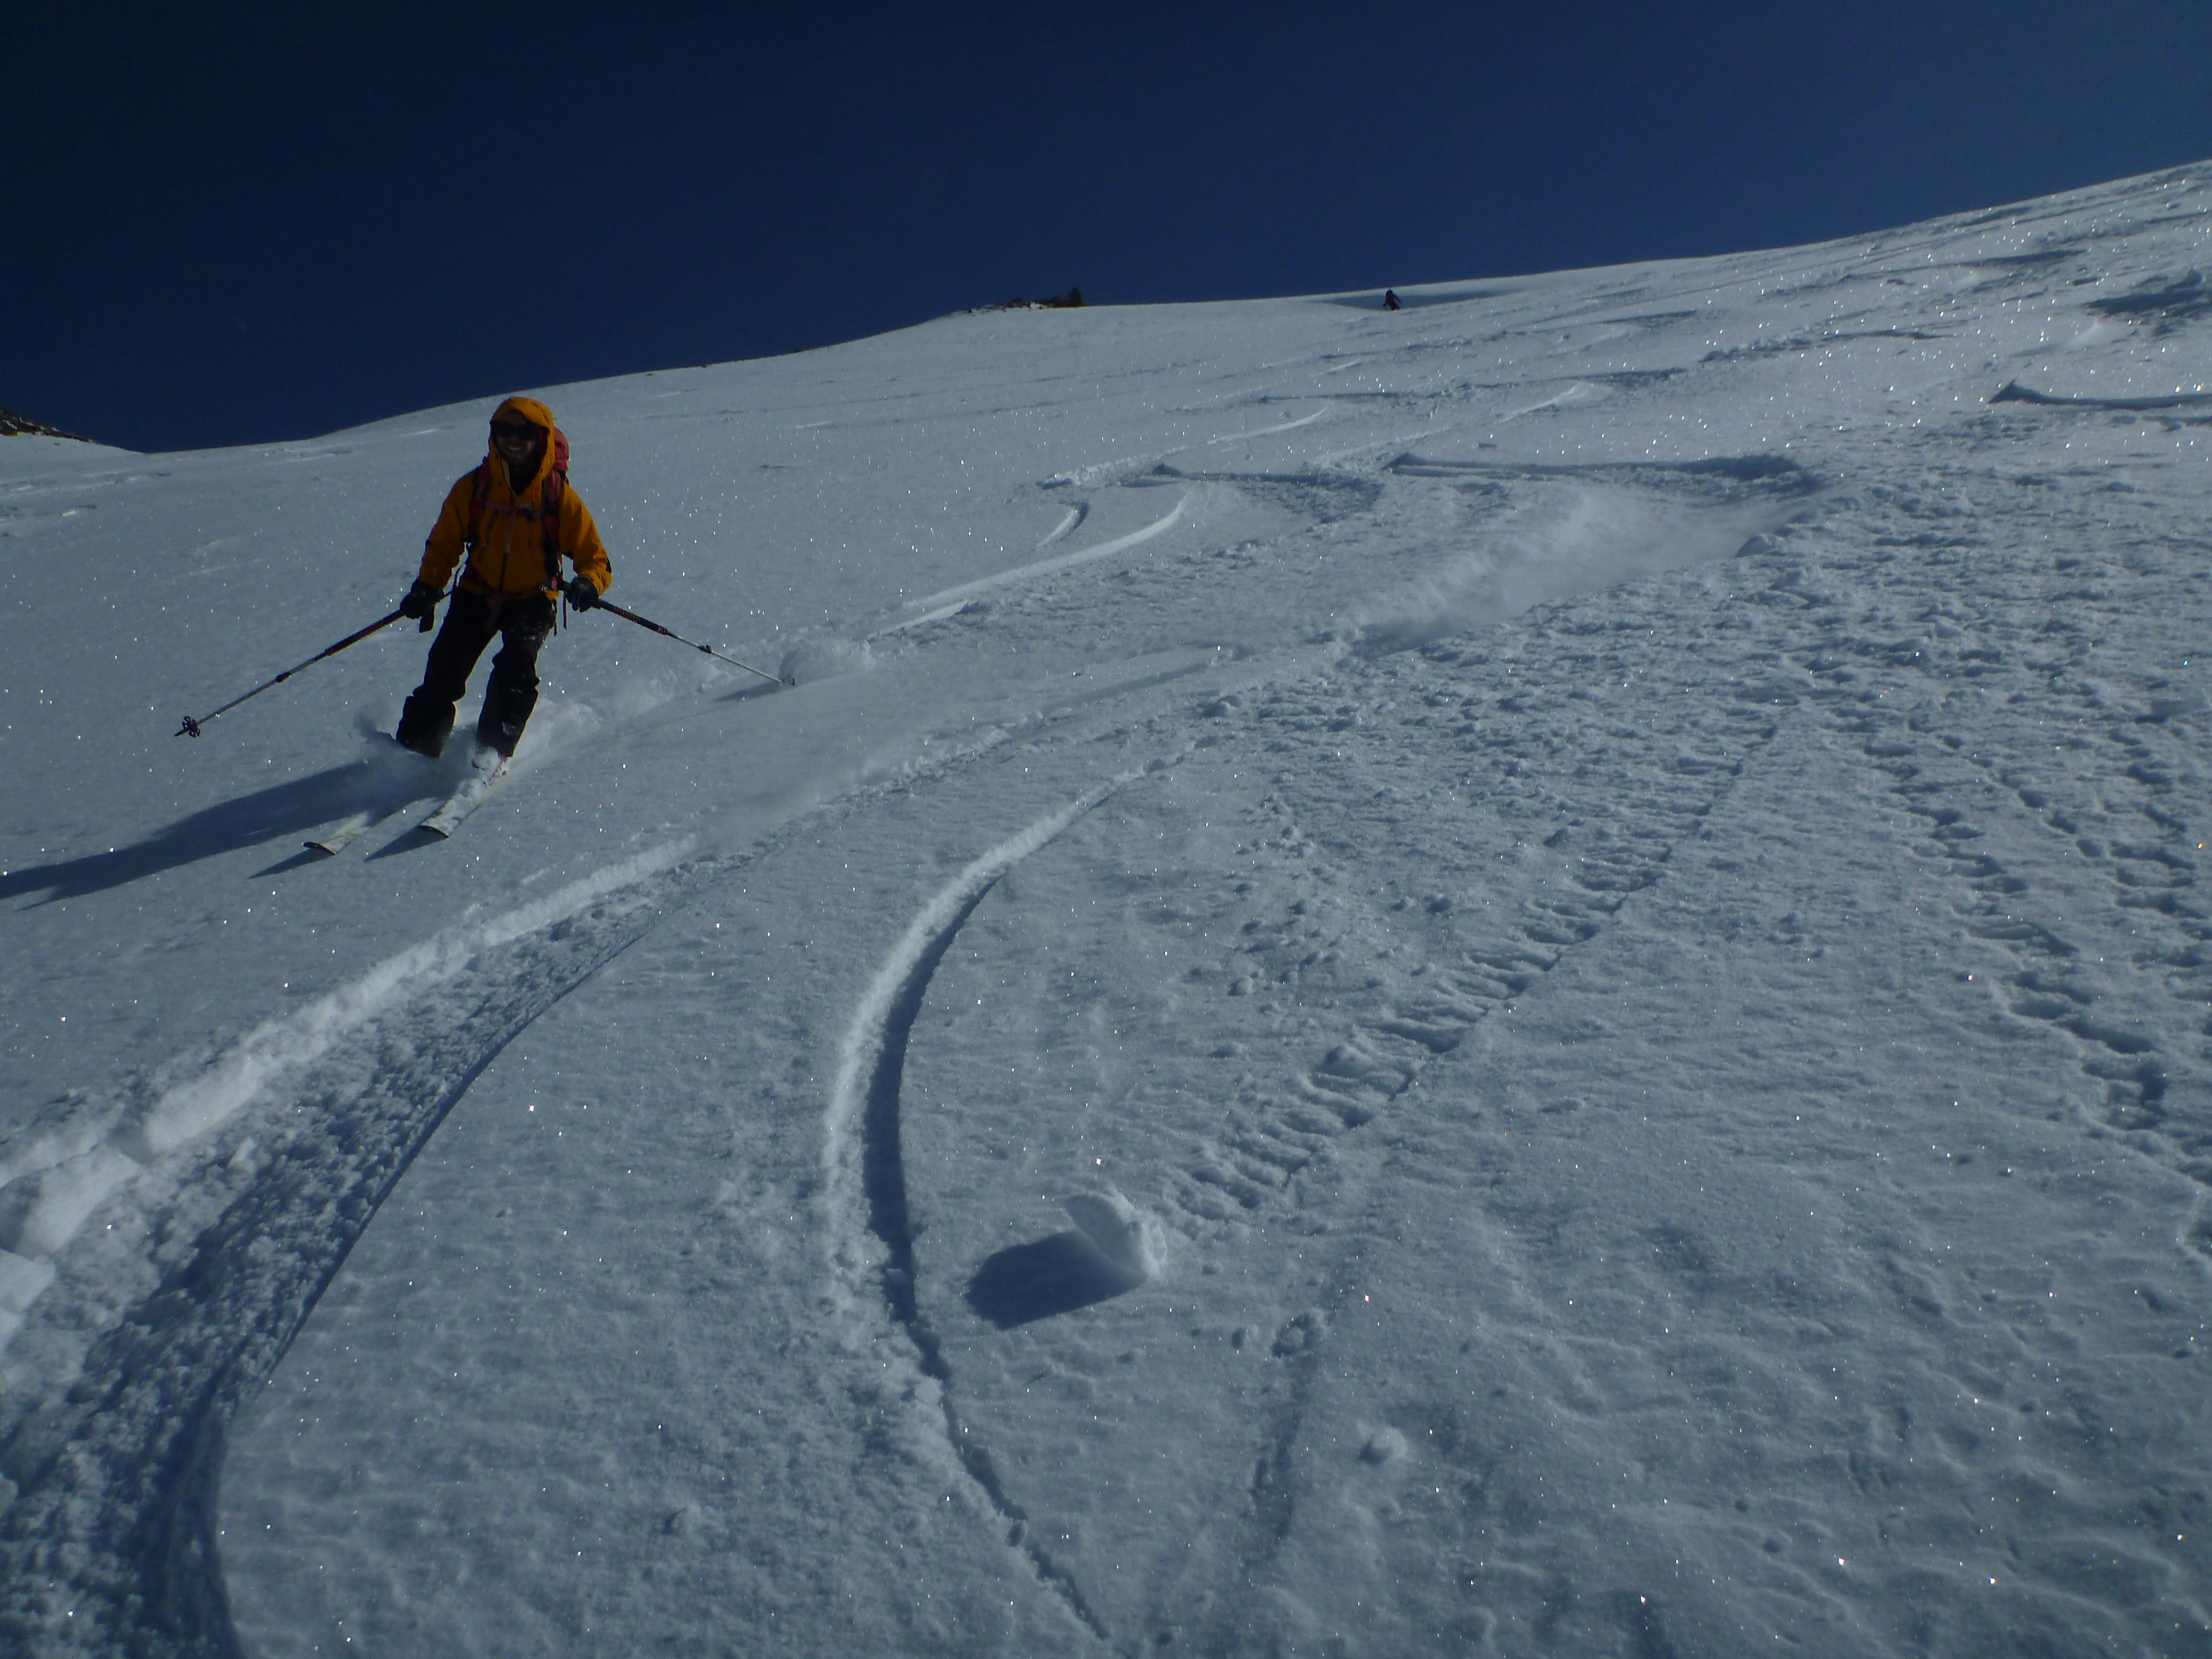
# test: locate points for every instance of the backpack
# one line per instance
(549, 492)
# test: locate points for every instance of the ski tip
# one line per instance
(319, 846)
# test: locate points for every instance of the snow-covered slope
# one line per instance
(1524, 976)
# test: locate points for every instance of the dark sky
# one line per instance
(222, 224)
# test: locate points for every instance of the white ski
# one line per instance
(464, 800)
(342, 834)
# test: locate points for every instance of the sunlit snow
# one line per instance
(1523, 977)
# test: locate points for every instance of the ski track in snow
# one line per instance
(1070, 521)
(2145, 1058)
(1323, 413)
(1273, 1139)
(1636, 816)
(1269, 1138)
(1906, 703)
(125, 1493)
(117, 1480)
(863, 1185)
(50, 1187)
(940, 605)
(1307, 947)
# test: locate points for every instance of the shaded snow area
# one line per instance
(1522, 977)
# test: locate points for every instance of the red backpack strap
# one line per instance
(477, 492)
(549, 521)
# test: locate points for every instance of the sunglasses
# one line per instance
(515, 429)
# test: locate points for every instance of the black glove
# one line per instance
(421, 599)
(582, 594)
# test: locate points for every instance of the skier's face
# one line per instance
(520, 443)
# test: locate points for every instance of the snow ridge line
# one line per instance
(864, 1187)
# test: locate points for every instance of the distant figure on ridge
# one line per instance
(512, 518)
(1389, 299)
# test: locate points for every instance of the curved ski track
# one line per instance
(864, 1202)
(110, 1542)
(936, 606)
(244, 1188)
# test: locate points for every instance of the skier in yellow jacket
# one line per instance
(512, 518)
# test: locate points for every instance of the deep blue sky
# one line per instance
(222, 224)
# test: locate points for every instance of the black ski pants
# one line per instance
(521, 622)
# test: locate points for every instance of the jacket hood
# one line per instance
(537, 415)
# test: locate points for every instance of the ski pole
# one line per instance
(190, 728)
(632, 616)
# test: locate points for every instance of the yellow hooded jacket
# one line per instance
(510, 553)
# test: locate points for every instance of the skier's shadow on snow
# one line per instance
(1047, 1276)
(414, 841)
(750, 689)
(276, 813)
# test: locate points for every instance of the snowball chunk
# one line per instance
(1134, 1242)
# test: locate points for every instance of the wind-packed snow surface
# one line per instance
(1525, 977)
